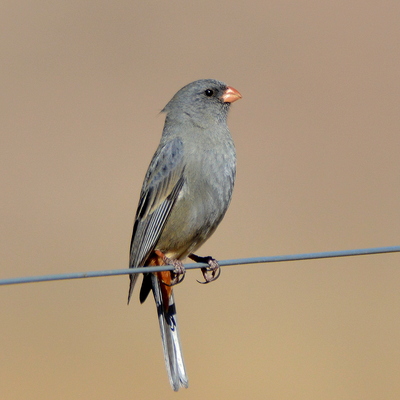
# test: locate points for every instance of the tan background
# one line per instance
(317, 136)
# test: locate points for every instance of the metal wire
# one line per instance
(224, 263)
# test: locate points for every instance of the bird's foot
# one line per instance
(178, 274)
(210, 273)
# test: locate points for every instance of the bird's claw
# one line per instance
(210, 273)
(179, 272)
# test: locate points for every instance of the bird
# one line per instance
(185, 194)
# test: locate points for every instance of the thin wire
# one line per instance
(224, 263)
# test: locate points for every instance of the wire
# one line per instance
(224, 263)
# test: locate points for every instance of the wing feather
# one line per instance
(161, 188)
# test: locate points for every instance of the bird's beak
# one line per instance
(230, 95)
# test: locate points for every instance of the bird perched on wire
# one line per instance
(185, 194)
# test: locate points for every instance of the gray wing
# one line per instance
(161, 187)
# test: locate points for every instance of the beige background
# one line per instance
(317, 136)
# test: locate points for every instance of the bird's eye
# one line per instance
(208, 92)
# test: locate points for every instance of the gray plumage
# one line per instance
(185, 194)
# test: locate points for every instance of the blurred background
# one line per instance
(317, 136)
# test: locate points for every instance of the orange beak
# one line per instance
(230, 95)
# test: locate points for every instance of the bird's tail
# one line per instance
(169, 335)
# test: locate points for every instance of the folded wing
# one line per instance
(161, 188)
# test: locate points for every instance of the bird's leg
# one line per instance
(210, 273)
(178, 274)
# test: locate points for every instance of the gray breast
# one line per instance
(205, 196)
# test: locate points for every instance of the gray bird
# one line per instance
(185, 194)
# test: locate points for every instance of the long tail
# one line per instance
(170, 336)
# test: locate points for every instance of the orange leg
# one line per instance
(167, 278)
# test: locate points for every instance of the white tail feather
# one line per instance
(170, 338)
